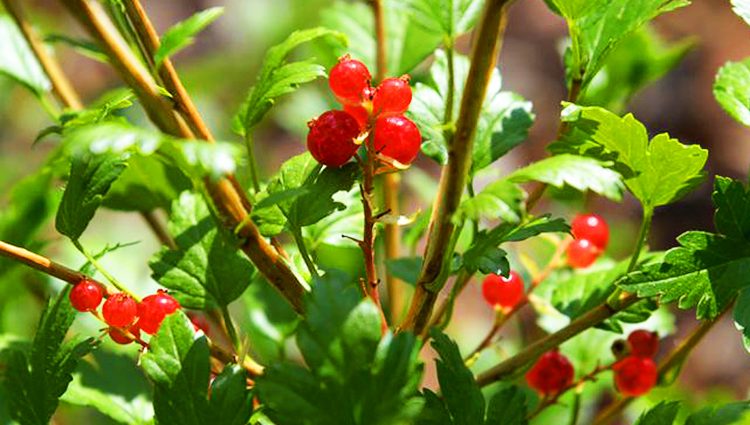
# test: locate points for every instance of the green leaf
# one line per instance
(406, 269)
(269, 322)
(638, 60)
(183, 33)
(206, 270)
(137, 411)
(663, 413)
(742, 9)
(503, 124)
(741, 316)
(407, 43)
(278, 77)
(657, 173)
(508, 407)
(732, 201)
(90, 178)
(448, 18)
(148, 183)
(579, 172)
(460, 391)
(597, 27)
(728, 414)
(231, 403)
(500, 199)
(576, 293)
(19, 62)
(36, 381)
(732, 90)
(84, 47)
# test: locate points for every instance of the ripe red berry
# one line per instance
(348, 79)
(359, 113)
(86, 295)
(153, 309)
(331, 138)
(503, 292)
(397, 138)
(119, 310)
(551, 373)
(392, 97)
(643, 343)
(200, 323)
(120, 337)
(635, 376)
(582, 253)
(591, 227)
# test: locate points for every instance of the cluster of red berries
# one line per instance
(636, 373)
(126, 317)
(503, 293)
(335, 136)
(591, 235)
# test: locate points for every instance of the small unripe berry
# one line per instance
(331, 138)
(582, 253)
(121, 337)
(392, 97)
(153, 309)
(86, 295)
(119, 310)
(397, 138)
(635, 376)
(643, 343)
(348, 79)
(503, 292)
(592, 228)
(550, 374)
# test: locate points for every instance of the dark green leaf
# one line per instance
(147, 184)
(406, 269)
(732, 90)
(90, 179)
(583, 290)
(231, 403)
(35, 382)
(663, 413)
(19, 62)
(579, 172)
(435, 411)
(728, 414)
(183, 34)
(508, 407)
(449, 18)
(501, 199)
(741, 316)
(732, 201)
(278, 77)
(270, 321)
(460, 391)
(207, 270)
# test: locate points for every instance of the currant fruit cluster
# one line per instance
(636, 373)
(551, 374)
(126, 317)
(591, 235)
(377, 112)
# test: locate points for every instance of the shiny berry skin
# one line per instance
(86, 295)
(503, 292)
(397, 138)
(582, 253)
(591, 227)
(359, 113)
(120, 337)
(331, 138)
(392, 97)
(643, 343)
(635, 376)
(348, 79)
(551, 373)
(153, 309)
(119, 310)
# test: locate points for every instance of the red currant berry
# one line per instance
(582, 253)
(392, 97)
(347, 80)
(86, 295)
(397, 138)
(635, 376)
(153, 309)
(551, 373)
(331, 138)
(503, 292)
(119, 310)
(359, 113)
(591, 227)
(643, 343)
(121, 337)
(199, 323)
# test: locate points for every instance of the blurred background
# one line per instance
(223, 63)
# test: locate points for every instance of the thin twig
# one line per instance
(453, 177)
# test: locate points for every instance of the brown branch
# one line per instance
(671, 360)
(444, 311)
(454, 175)
(592, 318)
(230, 201)
(158, 228)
